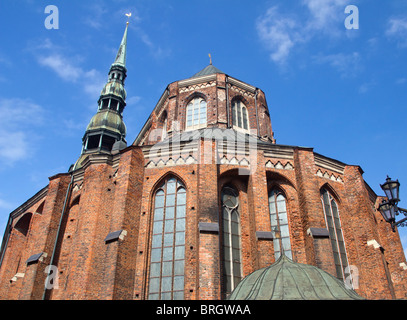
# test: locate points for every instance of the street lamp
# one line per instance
(389, 208)
(391, 189)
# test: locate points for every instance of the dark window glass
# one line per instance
(333, 224)
(279, 222)
(168, 242)
(232, 269)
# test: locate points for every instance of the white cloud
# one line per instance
(156, 50)
(68, 69)
(96, 19)
(61, 66)
(13, 146)
(397, 29)
(16, 136)
(134, 100)
(325, 14)
(348, 65)
(94, 82)
(282, 33)
(367, 86)
(279, 34)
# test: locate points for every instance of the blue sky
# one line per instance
(342, 92)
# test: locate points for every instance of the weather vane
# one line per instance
(128, 16)
(210, 58)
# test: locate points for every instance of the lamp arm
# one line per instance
(402, 222)
(396, 223)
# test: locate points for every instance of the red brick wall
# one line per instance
(115, 192)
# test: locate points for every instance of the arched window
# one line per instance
(240, 119)
(232, 262)
(196, 114)
(279, 222)
(333, 224)
(168, 242)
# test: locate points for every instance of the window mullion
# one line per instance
(231, 249)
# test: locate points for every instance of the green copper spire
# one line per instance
(106, 132)
(121, 54)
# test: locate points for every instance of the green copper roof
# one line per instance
(288, 280)
(114, 88)
(207, 71)
(107, 119)
(121, 54)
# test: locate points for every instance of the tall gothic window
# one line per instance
(279, 222)
(168, 242)
(240, 116)
(232, 262)
(335, 233)
(196, 114)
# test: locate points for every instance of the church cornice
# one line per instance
(29, 203)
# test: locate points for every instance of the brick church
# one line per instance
(201, 199)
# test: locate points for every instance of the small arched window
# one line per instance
(232, 260)
(279, 222)
(167, 258)
(240, 118)
(196, 114)
(333, 224)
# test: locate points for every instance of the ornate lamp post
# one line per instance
(389, 208)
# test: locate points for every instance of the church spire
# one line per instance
(106, 131)
(121, 54)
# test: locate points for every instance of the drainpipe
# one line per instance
(257, 113)
(68, 192)
(227, 103)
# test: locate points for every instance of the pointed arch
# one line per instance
(23, 224)
(240, 114)
(195, 94)
(40, 208)
(279, 180)
(164, 124)
(75, 201)
(164, 177)
(327, 186)
(277, 187)
(241, 98)
(196, 113)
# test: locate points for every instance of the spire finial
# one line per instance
(210, 59)
(128, 17)
(121, 54)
